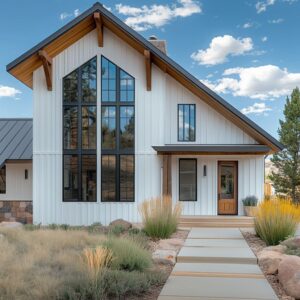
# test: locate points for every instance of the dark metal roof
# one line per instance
(99, 7)
(15, 140)
(211, 149)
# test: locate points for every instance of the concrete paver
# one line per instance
(215, 233)
(231, 243)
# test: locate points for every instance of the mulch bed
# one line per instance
(256, 244)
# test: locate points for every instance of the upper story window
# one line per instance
(3, 180)
(186, 122)
(79, 133)
(117, 138)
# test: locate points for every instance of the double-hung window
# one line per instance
(79, 133)
(186, 122)
(117, 137)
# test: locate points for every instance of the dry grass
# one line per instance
(276, 220)
(41, 264)
(160, 217)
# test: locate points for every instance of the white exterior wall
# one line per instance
(155, 124)
(17, 187)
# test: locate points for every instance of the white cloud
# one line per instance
(7, 91)
(146, 17)
(263, 82)
(256, 108)
(248, 25)
(290, 1)
(220, 48)
(66, 15)
(261, 6)
(276, 21)
(264, 39)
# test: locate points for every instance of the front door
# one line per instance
(227, 188)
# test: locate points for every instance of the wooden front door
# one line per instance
(227, 188)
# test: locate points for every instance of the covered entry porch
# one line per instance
(212, 180)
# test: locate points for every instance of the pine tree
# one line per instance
(286, 179)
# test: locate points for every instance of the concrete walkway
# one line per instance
(216, 263)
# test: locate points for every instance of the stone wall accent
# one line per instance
(16, 211)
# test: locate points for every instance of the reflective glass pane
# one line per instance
(108, 178)
(89, 81)
(227, 182)
(180, 122)
(70, 88)
(70, 127)
(108, 127)
(127, 178)
(126, 127)
(187, 179)
(3, 180)
(71, 178)
(89, 177)
(126, 86)
(89, 127)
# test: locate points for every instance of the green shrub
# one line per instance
(250, 201)
(53, 226)
(64, 227)
(31, 227)
(117, 230)
(134, 231)
(160, 217)
(276, 220)
(95, 228)
(129, 254)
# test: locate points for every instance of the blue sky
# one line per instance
(246, 50)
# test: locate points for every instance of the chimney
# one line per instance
(159, 44)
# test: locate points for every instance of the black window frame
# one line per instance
(79, 151)
(3, 169)
(196, 179)
(118, 151)
(178, 129)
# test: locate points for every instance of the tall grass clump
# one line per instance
(160, 217)
(276, 220)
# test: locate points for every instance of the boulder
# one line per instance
(11, 224)
(170, 244)
(278, 248)
(289, 275)
(120, 222)
(293, 242)
(269, 260)
(164, 256)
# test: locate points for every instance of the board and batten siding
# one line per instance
(155, 124)
(17, 187)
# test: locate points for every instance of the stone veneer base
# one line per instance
(16, 211)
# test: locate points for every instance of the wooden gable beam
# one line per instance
(148, 65)
(99, 26)
(47, 65)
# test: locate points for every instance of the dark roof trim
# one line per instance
(212, 149)
(99, 7)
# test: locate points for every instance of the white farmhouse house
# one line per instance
(116, 121)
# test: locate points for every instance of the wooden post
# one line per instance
(47, 65)
(99, 26)
(167, 175)
(148, 66)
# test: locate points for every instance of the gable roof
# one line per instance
(15, 140)
(22, 67)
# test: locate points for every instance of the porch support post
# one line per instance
(167, 175)
(99, 26)
(148, 67)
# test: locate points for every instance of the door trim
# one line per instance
(235, 163)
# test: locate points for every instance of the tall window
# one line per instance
(188, 179)
(79, 133)
(117, 123)
(186, 122)
(3, 180)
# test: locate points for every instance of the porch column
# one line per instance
(167, 175)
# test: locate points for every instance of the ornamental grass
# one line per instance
(276, 220)
(160, 216)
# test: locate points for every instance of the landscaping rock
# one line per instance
(293, 242)
(164, 256)
(170, 244)
(269, 260)
(11, 224)
(120, 222)
(289, 275)
(278, 248)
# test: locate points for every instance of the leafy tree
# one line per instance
(286, 178)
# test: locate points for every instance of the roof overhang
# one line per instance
(212, 149)
(23, 67)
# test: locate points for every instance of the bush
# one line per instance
(250, 201)
(129, 254)
(117, 229)
(160, 217)
(276, 220)
(134, 231)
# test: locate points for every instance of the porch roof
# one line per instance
(189, 149)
